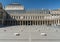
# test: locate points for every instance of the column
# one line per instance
(15, 22)
(22, 22)
(25, 22)
(30, 22)
(10, 22)
(33, 22)
(54, 21)
(2, 22)
(37, 22)
(47, 22)
(42, 22)
(58, 21)
(6, 22)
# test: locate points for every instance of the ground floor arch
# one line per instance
(32, 22)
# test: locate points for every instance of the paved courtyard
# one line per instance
(30, 34)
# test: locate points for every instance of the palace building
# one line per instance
(16, 14)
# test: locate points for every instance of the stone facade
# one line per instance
(20, 16)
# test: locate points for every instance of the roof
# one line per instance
(38, 11)
(28, 11)
(14, 6)
(15, 11)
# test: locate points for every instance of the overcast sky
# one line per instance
(48, 4)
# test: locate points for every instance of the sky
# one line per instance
(47, 4)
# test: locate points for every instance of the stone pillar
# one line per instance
(15, 22)
(34, 22)
(58, 21)
(22, 22)
(25, 22)
(42, 23)
(6, 22)
(30, 22)
(10, 23)
(47, 22)
(37, 22)
(2, 23)
(54, 21)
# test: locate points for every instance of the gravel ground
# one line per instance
(30, 34)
